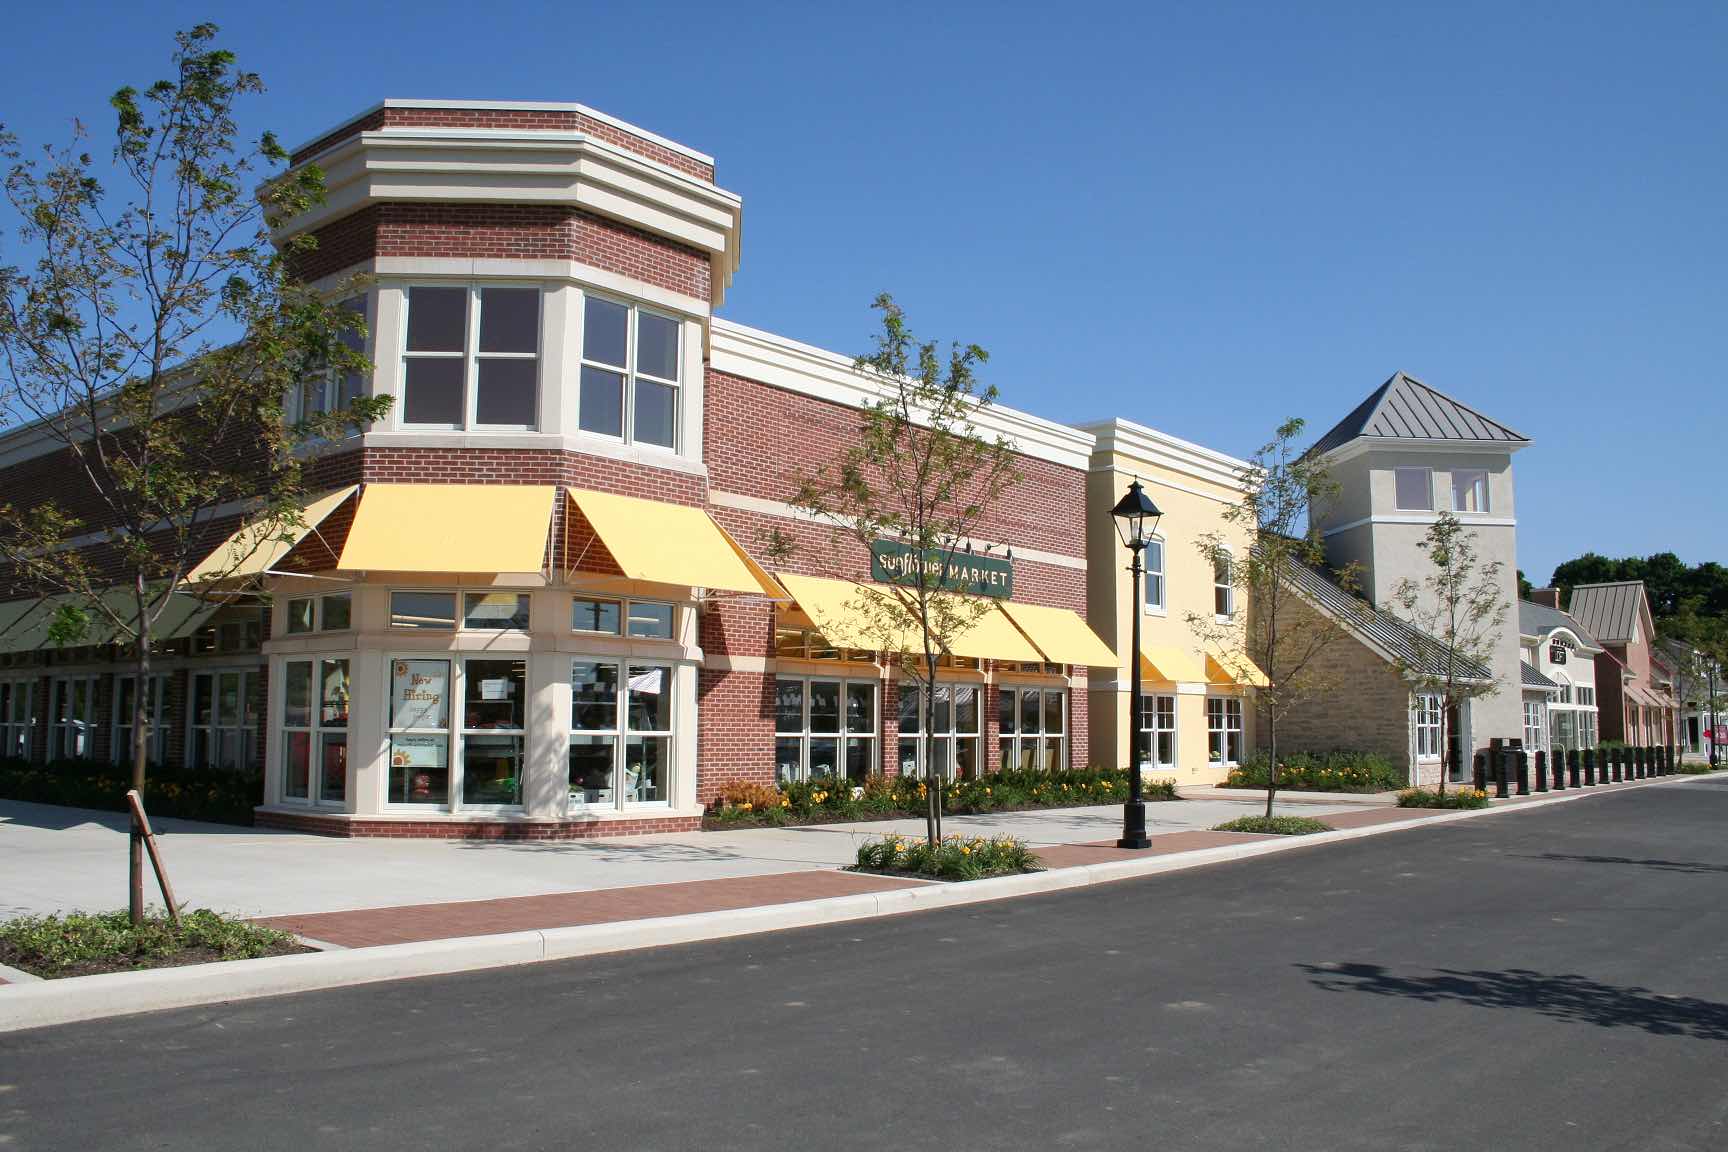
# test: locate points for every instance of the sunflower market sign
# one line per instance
(972, 573)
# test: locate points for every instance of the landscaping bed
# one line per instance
(222, 796)
(828, 801)
(1461, 797)
(1339, 771)
(1274, 825)
(85, 944)
(954, 858)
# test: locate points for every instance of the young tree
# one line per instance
(920, 475)
(1457, 609)
(153, 333)
(1284, 638)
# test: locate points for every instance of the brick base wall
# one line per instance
(322, 825)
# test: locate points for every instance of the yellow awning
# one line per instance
(1239, 671)
(868, 616)
(255, 548)
(671, 544)
(1167, 664)
(450, 528)
(1061, 635)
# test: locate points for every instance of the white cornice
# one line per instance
(1351, 449)
(1119, 437)
(1465, 519)
(770, 359)
(509, 106)
(505, 166)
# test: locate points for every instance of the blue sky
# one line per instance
(1205, 217)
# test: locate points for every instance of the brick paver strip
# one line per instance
(1105, 851)
(1379, 816)
(364, 927)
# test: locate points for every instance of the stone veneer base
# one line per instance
(334, 825)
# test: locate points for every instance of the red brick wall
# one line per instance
(507, 232)
(518, 119)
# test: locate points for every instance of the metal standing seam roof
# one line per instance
(1531, 678)
(1404, 408)
(1608, 611)
(1539, 620)
(1380, 628)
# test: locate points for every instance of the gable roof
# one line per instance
(1532, 678)
(1538, 620)
(1404, 408)
(1609, 611)
(1392, 637)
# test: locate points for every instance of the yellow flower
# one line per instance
(965, 851)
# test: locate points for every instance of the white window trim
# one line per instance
(1428, 475)
(248, 747)
(1039, 738)
(621, 733)
(1422, 706)
(1240, 731)
(459, 600)
(1228, 584)
(12, 730)
(842, 737)
(1151, 732)
(315, 730)
(624, 603)
(470, 357)
(627, 418)
(1453, 492)
(952, 733)
(1162, 608)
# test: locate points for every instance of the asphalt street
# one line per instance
(1554, 979)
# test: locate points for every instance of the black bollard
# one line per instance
(1502, 775)
(1541, 770)
(1523, 772)
(1668, 760)
(1479, 773)
(1573, 767)
(1617, 757)
(1640, 762)
(1589, 759)
(1557, 770)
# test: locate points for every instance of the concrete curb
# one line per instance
(44, 1003)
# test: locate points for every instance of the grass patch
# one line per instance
(1275, 825)
(1691, 769)
(85, 943)
(1451, 798)
(954, 858)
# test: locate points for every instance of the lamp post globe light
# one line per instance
(1136, 522)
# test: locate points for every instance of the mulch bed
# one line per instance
(713, 824)
(11, 958)
(901, 874)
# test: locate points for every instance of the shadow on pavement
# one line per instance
(604, 851)
(56, 817)
(1573, 998)
(1692, 867)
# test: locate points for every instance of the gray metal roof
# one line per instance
(1531, 678)
(1539, 620)
(1379, 628)
(1404, 408)
(1608, 611)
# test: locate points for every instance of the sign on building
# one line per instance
(976, 574)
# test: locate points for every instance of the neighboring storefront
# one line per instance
(1195, 716)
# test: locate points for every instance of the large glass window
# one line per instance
(620, 733)
(72, 730)
(315, 731)
(323, 391)
(1562, 724)
(1469, 490)
(300, 615)
(955, 731)
(17, 718)
(495, 611)
(1535, 731)
(824, 728)
(1425, 711)
(1031, 728)
(155, 705)
(1413, 489)
(1154, 586)
(1158, 722)
(432, 611)
(419, 732)
(222, 719)
(1224, 729)
(494, 726)
(471, 357)
(630, 373)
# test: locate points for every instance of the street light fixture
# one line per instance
(1136, 521)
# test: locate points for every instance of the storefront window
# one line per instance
(1224, 729)
(433, 611)
(650, 621)
(594, 616)
(955, 747)
(620, 733)
(1535, 731)
(223, 719)
(1158, 722)
(335, 612)
(1031, 724)
(300, 616)
(494, 721)
(419, 732)
(73, 732)
(495, 611)
(155, 705)
(17, 716)
(824, 729)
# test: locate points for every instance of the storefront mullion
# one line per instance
(956, 731)
(824, 728)
(17, 718)
(1032, 728)
(621, 733)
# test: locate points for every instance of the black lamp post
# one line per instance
(1712, 713)
(1136, 521)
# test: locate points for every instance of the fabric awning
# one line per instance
(866, 616)
(28, 630)
(1237, 670)
(1166, 664)
(478, 528)
(13, 611)
(254, 548)
(1061, 635)
(671, 544)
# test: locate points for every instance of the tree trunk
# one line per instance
(1272, 760)
(140, 745)
(932, 771)
(1445, 745)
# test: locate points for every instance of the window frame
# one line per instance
(315, 730)
(1152, 708)
(843, 735)
(627, 432)
(1427, 720)
(1228, 734)
(323, 391)
(1428, 487)
(1160, 607)
(62, 730)
(471, 356)
(1011, 744)
(951, 736)
(247, 735)
(621, 732)
(1482, 487)
(17, 732)
(1225, 585)
(120, 748)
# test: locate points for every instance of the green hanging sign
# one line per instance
(975, 574)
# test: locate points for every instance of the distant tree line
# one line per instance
(1685, 599)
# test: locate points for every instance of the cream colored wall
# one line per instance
(1193, 508)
